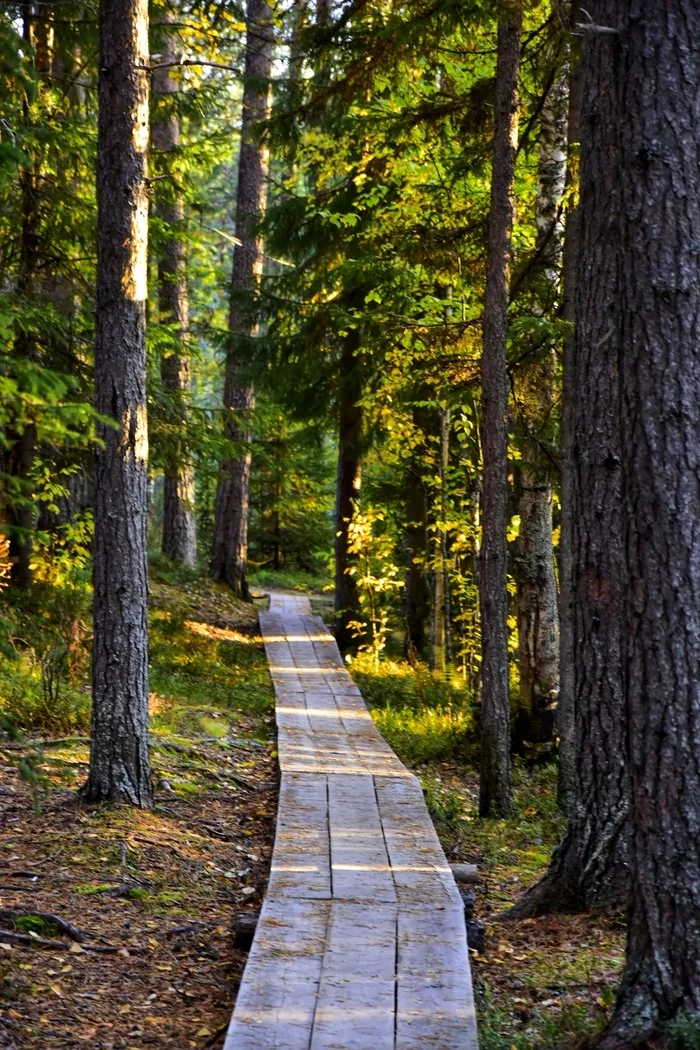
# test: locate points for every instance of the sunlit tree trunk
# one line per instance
(179, 539)
(495, 776)
(657, 347)
(119, 759)
(229, 561)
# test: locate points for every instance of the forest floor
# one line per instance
(160, 891)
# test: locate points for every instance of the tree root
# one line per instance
(26, 941)
(67, 928)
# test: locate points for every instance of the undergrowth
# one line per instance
(423, 717)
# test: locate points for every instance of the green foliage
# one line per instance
(423, 717)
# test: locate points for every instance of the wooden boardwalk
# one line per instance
(361, 942)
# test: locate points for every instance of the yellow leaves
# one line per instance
(75, 949)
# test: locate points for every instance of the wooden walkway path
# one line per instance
(361, 941)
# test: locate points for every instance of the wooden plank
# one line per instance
(301, 857)
(435, 1002)
(419, 866)
(356, 996)
(359, 862)
(277, 998)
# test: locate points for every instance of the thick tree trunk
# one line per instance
(179, 539)
(566, 725)
(349, 478)
(495, 778)
(229, 560)
(658, 348)
(590, 868)
(538, 608)
(119, 761)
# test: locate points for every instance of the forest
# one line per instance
(394, 305)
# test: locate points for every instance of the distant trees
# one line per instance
(119, 759)
(229, 558)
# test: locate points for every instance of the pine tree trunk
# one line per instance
(538, 607)
(417, 607)
(119, 760)
(566, 725)
(495, 778)
(229, 561)
(589, 870)
(179, 539)
(658, 347)
(349, 478)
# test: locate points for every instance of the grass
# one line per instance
(290, 580)
(421, 715)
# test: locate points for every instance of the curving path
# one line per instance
(361, 942)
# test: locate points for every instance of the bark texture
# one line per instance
(229, 561)
(566, 727)
(589, 870)
(495, 776)
(179, 539)
(119, 761)
(658, 342)
(348, 481)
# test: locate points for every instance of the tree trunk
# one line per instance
(441, 601)
(589, 870)
(179, 539)
(566, 725)
(348, 482)
(417, 593)
(495, 778)
(119, 761)
(538, 613)
(229, 560)
(538, 608)
(658, 347)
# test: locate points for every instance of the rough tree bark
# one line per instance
(230, 546)
(538, 607)
(179, 540)
(566, 727)
(658, 343)
(589, 870)
(495, 777)
(119, 760)
(348, 481)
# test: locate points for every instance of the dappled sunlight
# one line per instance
(220, 634)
